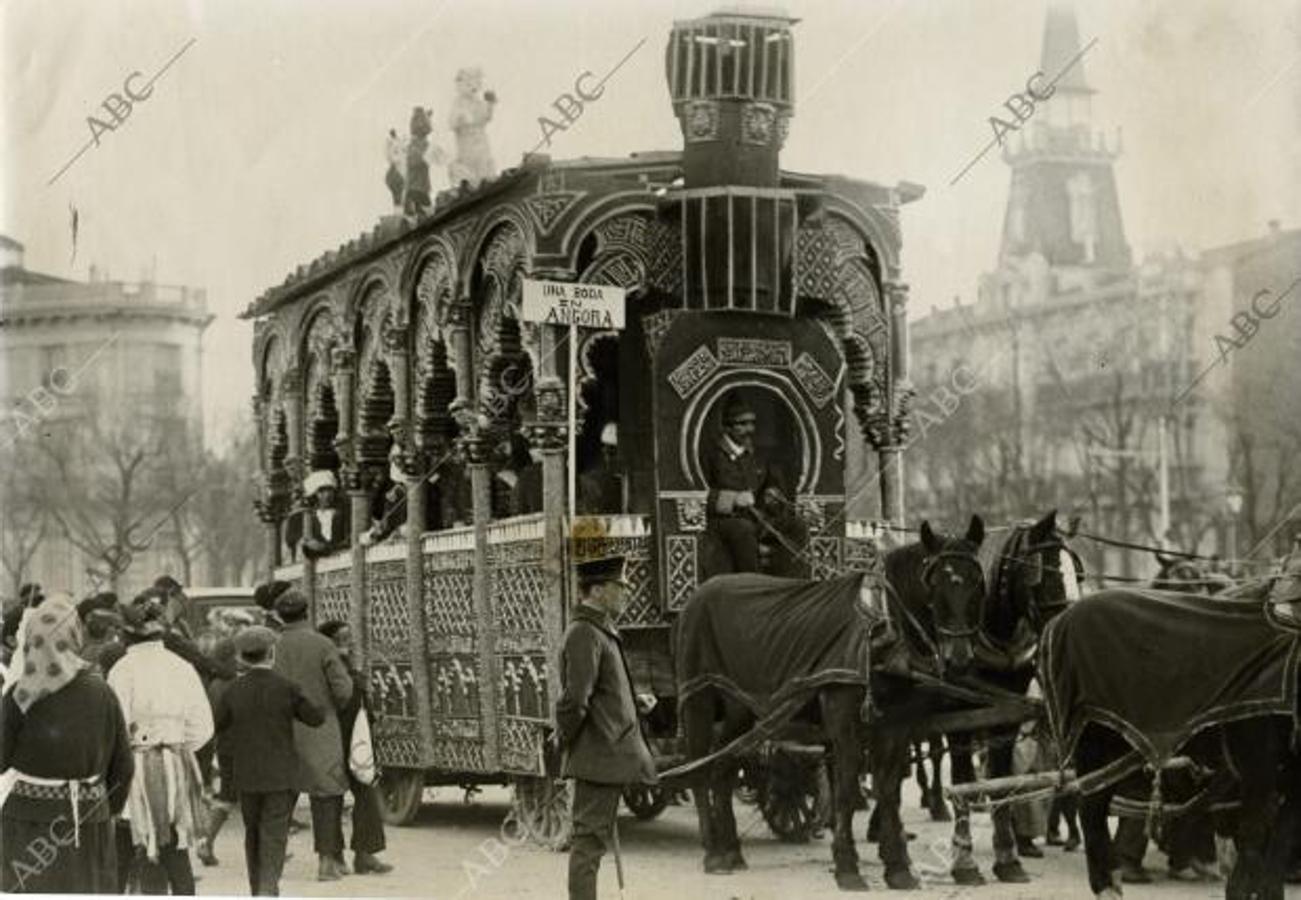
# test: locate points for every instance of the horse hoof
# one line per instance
(902, 880)
(968, 877)
(1011, 873)
(717, 865)
(850, 881)
(736, 862)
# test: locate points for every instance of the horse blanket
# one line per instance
(766, 641)
(1157, 667)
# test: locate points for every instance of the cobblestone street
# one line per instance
(449, 853)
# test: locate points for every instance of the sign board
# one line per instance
(566, 303)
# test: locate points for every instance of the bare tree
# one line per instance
(24, 519)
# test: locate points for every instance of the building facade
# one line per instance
(1079, 366)
(102, 403)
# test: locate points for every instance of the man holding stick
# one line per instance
(596, 716)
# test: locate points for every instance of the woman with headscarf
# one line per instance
(168, 719)
(65, 763)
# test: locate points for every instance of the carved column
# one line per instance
(477, 446)
(413, 477)
(359, 502)
(395, 347)
(458, 326)
(343, 362)
(550, 433)
(291, 389)
(895, 404)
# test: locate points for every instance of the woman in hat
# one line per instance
(169, 719)
(67, 763)
(324, 528)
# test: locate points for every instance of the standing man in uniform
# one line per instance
(737, 480)
(597, 722)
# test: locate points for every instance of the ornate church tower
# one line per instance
(1063, 202)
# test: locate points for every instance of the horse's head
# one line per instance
(1188, 576)
(1046, 574)
(955, 587)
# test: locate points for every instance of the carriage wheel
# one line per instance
(541, 811)
(795, 797)
(400, 792)
(646, 801)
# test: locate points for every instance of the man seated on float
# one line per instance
(602, 486)
(737, 480)
(388, 507)
(324, 527)
(517, 485)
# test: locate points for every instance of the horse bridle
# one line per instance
(1031, 556)
(928, 575)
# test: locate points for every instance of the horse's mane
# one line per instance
(999, 618)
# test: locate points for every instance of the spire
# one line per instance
(1061, 46)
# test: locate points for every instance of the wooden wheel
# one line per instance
(541, 811)
(794, 797)
(400, 792)
(646, 801)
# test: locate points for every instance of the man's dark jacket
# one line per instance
(596, 712)
(727, 470)
(255, 719)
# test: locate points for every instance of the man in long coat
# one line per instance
(310, 660)
(596, 715)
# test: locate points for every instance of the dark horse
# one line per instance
(934, 588)
(1031, 574)
(1242, 746)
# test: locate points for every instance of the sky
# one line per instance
(262, 145)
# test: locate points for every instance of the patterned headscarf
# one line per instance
(49, 647)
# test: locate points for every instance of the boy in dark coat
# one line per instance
(255, 717)
(596, 715)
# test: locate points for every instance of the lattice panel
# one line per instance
(861, 555)
(333, 595)
(825, 552)
(449, 596)
(683, 568)
(520, 742)
(517, 588)
(643, 599)
(388, 617)
(397, 743)
(523, 690)
(454, 755)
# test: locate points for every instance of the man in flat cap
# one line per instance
(738, 481)
(596, 719)
(310, 660)
(255, 718)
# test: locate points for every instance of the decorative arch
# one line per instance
(432, 292)
(841, 282)
(508, 350)
(320, 338)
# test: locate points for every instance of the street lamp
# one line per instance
(1232, 502)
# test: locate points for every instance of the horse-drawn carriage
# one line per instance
(404, 351)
